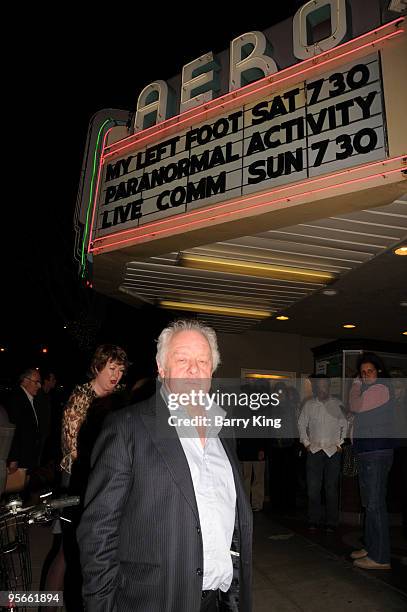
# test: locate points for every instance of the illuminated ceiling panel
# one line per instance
(335, 245)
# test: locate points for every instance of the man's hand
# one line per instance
(13, 467)
(338, 449)
(261, 455)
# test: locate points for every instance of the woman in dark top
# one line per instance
(83, 418)
(372, 404)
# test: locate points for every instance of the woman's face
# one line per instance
(368, 373)
(107, 379)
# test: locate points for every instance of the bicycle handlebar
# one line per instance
(63, 502)
(46, 510)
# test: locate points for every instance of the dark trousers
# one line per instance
(209, 603)
(322, 469)
(373, 470)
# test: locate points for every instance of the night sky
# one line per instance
(60, 69)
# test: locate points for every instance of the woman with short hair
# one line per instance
(83, 417)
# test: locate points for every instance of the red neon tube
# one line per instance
(222, 102)
(264, 83)
(257, 196)
(249, 208)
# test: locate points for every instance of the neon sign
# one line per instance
(250, 58)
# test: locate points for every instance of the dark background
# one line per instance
(60, 69)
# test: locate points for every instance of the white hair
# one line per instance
(187, 325)
(27, 374)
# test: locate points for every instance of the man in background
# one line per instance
(323, 427)
(251, 453)
(25, 448)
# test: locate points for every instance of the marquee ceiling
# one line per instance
(347, 247)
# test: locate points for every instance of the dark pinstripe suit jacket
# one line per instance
(140, 537)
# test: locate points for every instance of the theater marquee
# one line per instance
(322, 124)
(317, 127)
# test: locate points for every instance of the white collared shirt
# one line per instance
(31, 400)
(322, 425)
(215, 494)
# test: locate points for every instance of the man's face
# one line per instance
(32, 383)
(323, 389)
(187, 363)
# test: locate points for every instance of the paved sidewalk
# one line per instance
(347, 538)
(291, 573)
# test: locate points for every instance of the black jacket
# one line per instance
(26, 442)
(140, 536)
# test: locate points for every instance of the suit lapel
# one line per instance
(170, 448)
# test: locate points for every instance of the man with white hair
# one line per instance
(25, 448)
(167, 526)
